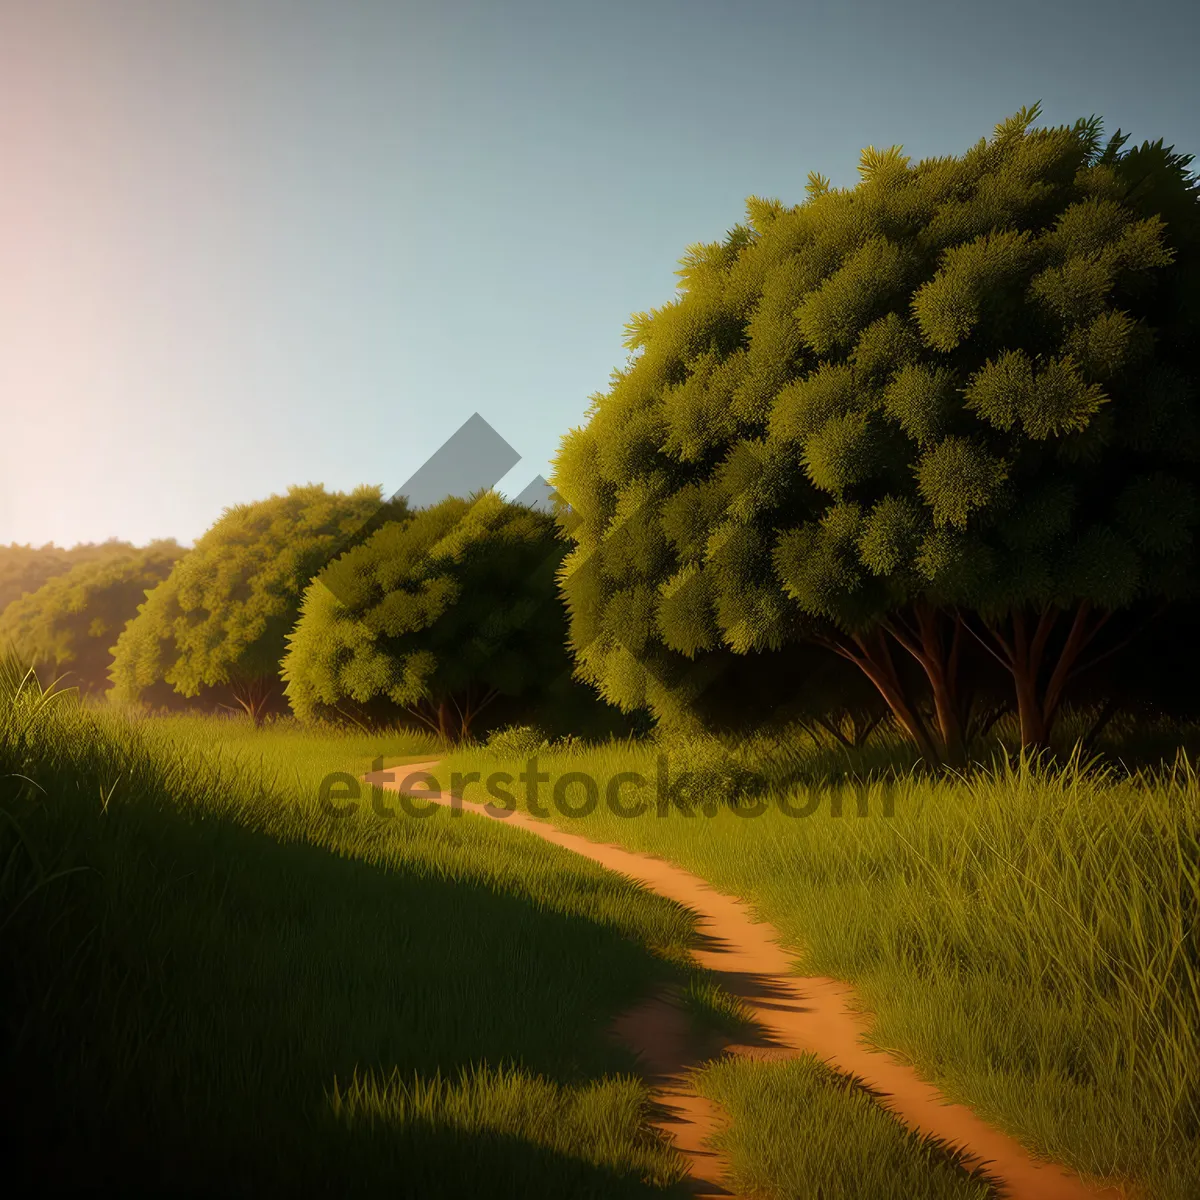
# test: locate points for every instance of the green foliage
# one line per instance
(514, 740)
(23, 569)
(833, 315)
(890, 538)
(68, 626)
(921, 400)
(887, 396)
(841, 453)
(971, 282)
(437, 616)
(220, 619)
(818, 564)
(957, 477)
(1047, 403)
(804, 407)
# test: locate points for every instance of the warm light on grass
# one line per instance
(1026, 936)
(788, 1136)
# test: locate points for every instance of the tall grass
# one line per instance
(788, 1136)
(285, 753)
(210, 986)
(1026, 935)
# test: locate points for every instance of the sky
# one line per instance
(251, 243)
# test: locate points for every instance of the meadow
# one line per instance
(1025, 935)
(212, 986)
(212, 989)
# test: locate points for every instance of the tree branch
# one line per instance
(1045, 626)
(1092, 662)
(1077, 639)
(414, 710)
(906, 641)
(861, 735)
(1008, 650)
(1005, 663)
(825, 723)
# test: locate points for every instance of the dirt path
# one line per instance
(795, 1013)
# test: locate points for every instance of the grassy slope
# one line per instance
(234, 994)
(1030, 943)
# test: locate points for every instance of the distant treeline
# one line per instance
(337, 605)
(24, 569)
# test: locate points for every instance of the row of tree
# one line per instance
(339, 605)
(927, 447)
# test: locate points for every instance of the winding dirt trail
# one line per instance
(796, 1014)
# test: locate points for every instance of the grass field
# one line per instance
(211, 988)
(212, 985)
(224, 990)
(283, 753)
(1028, 938)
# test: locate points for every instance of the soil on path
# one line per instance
(795, 1014)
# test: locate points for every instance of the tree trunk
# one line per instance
(1078, 640)
(941, 669)
(1039, 696)
(1025, 665)
(1030, 713)
(447, 717)
(874, 659)
(939, 663)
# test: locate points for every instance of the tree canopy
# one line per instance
(437, 617)
(66, 629)
(220, 619)
(948, 414)
(23, 569)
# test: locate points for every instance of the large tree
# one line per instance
(437, 617)
(66, 629)
(945, 417)
(216, 626)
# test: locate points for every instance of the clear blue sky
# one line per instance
(249, 243)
